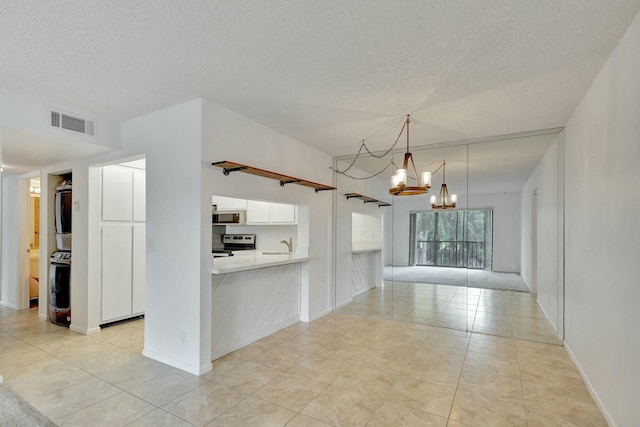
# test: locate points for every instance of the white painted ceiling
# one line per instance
(328, 73)
(23, 151)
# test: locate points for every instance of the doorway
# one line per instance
(27, 241)
(34, 242)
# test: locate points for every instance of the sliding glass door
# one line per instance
(452, 238)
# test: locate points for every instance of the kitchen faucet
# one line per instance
(289, 244)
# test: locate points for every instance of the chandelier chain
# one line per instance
(364, 145)
(365, 177)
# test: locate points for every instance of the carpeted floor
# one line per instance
(456, 277)
(16, 412)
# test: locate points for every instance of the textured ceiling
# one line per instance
(328, 73)
(23, 152)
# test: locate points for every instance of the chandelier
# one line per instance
(443, 201)
(399, 185)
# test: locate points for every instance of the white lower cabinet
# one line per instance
(123, 271)
(116, 271)
(138, 269)
(122, 231)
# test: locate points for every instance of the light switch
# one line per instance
(76, 205)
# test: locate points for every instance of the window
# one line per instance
(460, 238)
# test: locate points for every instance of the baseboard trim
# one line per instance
(361, 291)
(195, 370)
(220, 351)
(321, 314)
(553, 324)
(605, 413)
(6, 304)
(343, 303)
(84, 331)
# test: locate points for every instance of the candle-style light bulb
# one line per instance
(426, 179)
(402, 176)
(394, 181)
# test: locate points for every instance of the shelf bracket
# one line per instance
(366, 199)
(353, 196)
(289, 181)
(226, 171)
(324, 189)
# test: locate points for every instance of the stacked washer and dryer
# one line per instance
(60, 267)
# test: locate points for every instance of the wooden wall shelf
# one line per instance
(228, 167)
(366, 199)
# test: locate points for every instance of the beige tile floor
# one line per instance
(497, 312)
(340, 370)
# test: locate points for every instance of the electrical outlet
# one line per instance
(183, 338)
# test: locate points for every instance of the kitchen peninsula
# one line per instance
(251, 260)
(254, 294)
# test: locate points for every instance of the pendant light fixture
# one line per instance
(399, 185)
(443, 201)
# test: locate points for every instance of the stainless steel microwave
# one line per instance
(228, 217)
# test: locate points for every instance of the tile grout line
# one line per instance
(526, 407)
(455, 392)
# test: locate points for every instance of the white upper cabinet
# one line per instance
(117, 193)
(229, 203)
(257, 212)
(139, 195)
(282, 214)
(270, 213)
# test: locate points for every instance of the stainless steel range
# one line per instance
(235, 242)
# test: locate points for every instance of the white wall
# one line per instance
(366, 228)
(31, 114)
(544, 179)
(230, 136)
(376, 188)
(177, 309)
(602, 200)
(506, 228)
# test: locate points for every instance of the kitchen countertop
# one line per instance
(358, 247)
(251, 260)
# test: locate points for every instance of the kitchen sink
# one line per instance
(277, 253)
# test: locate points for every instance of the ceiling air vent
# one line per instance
(75, 124)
